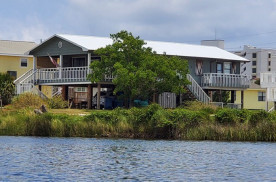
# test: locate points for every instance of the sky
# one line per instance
(237, 22)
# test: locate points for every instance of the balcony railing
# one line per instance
(268, 80)
(65, 75)
(62, 75)
(222, 80)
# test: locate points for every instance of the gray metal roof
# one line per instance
(15, 48)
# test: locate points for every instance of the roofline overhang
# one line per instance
(15, 55)
(246, 60)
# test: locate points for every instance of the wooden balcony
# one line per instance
(226, 81)
(66, 75)
(268, 80)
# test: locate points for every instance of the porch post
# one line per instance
(232, 96)
(99, 96)
(88, 61)
(89, 96)
(64, 92)
(61, 65)
(34, 62)
(242, 97)
(34, 68)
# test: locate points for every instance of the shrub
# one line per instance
(26, 100)
(57, 103)
(6, 88)
(226, 116)
(259, 116)
(243, 115)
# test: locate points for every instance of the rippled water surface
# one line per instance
(78, 159)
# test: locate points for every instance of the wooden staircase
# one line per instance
(188, 95)
(197, 91)
(27, 83)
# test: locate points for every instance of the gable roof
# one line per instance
(88, 43)
(15, 48)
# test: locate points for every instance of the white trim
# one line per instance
(16, 55)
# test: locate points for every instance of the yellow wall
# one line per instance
(12, 63)
(251, 100)
(47, 90)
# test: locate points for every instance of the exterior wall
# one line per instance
(44, 62)
(251, 100)
(12, 63)
(47, 90)
(215, 43)
(209, 66)
(261, 60)
(52, 47)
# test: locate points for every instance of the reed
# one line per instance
(151, 122)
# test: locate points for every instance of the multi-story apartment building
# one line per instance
(261, 60)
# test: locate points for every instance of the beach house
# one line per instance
(211, 68)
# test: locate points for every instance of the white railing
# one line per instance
(56, 91)
(63, 75)
(271, 109)
(26, 83)
(271, 94)
(198, 92)
(233, 106)
(66, 75)
(22, 77)
(223, 80)
(268, 80)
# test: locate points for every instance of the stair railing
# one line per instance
(26, 83)
(198, 92)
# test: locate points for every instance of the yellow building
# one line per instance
(13, 59)
(254, 98)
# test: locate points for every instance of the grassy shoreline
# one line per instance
(151, 122)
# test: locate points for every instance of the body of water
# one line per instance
(81, 159)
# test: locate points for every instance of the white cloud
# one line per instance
(167, 20)
(32, 30)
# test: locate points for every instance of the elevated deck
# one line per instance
(225, 81)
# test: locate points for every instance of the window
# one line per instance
(79, 61)
(254, 55)
(13, 74)
(261, 96)
(253, 70)
(227, 68)
(269, 63)
(24, 62)
(254, 63)
(219, 67)
(80, 89)
(269, 55)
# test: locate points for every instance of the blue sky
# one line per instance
(238, 22)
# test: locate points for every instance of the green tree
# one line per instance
(138, 71)
(6, 88)
(221, 96)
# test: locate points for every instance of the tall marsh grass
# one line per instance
(151, 122)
